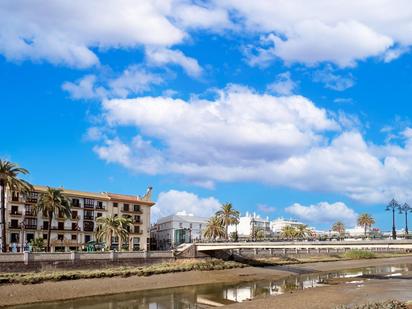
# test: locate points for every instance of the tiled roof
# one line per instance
(128, 198)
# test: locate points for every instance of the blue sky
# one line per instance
(286, 109)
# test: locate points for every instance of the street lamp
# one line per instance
(22, 227)
(392, 206)
(404, 209)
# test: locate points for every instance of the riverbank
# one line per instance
(13, 294)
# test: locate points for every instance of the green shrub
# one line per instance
(389, 304)
(359, 255)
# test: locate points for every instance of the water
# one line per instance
(212, 295)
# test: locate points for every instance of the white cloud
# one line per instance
(164, 56)
(133, 80)
(246, 136)
(332, 80)
(310, 32)
(283, 85)
(324, 213)
(172, 202)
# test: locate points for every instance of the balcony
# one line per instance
(88, 217)
(100, 207)
(14, 226)
(75, 205)
(15, 213)
(137, 231)
(30, 226)
(30, 213)
(88, 229)
(137, 221)
(75, 218)
(89, 206)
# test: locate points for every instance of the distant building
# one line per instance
(251, 222)
(174, 230)
(278, 224)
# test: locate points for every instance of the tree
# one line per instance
(288, 232)
(259, 234)
(214, 228)
(302, 231)
(366, 221)
(37, 244)
(9, 180)
(113, 226)
(228, 215)
(339, 227)
(52, 203)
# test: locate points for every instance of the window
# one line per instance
(32, 197)
(44, 236)
(75, 202)
(29, 237)
(115, 204)
(126, 207)
(29, 210)
(88, 203)
(60, 237)
(136, 207)
(74, 215)
(99, 214)
(180, 225)
(88, 215)
(15, 196)
(14, 237)
(87, 238)
(136, 243)
(74, 237)
(30, 223)
(45, 225)
(88, 226)
(60, 225)
(100, 205)
(137, 219)
(15, 210)
(74, 226)
(137, 230)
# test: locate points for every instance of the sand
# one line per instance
(323, 297)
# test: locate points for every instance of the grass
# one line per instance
(359, 255)
(389, 304)
(163, 268)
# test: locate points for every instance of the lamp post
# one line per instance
(404, 209)
(22, 227)
(392, 206)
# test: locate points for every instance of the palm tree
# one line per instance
(302, 231)
(113, 226)
(52, 203)
(9, 180)
(366, 221)
(214, 228)
(228, 215)
(288, 232)
(339, 227)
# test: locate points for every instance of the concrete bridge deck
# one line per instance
(384, 245)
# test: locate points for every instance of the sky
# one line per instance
(284, 108)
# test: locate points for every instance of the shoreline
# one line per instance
(18, 294)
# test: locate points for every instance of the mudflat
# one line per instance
(325, 297)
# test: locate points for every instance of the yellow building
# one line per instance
(23, 224)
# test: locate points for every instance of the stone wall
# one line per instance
(21, 262)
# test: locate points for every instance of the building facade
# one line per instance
(278, 224)
(172, 231)
(23, 224)
(249, 223)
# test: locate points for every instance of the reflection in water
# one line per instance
(206, 296)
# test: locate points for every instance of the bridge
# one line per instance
(306, 246)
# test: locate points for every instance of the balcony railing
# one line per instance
(88, 217)
(30, 226)
(15, 213)
(88, 229)
(14, 226)
(137, 221)
(30, 213)
(90, 206)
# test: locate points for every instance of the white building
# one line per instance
(278, 224)
(248, 223)
(173, 230)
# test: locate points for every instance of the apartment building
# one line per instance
(73, 233)
(174, 230)
(248, 223)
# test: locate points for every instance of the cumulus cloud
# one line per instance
(173, 201)
(243, 135)
(133, 80)
(324, 213)
(283, 85)
(266, 208)
(164, 56)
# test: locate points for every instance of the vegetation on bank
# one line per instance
(389, 304)
(359, 255)
(163, 268)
